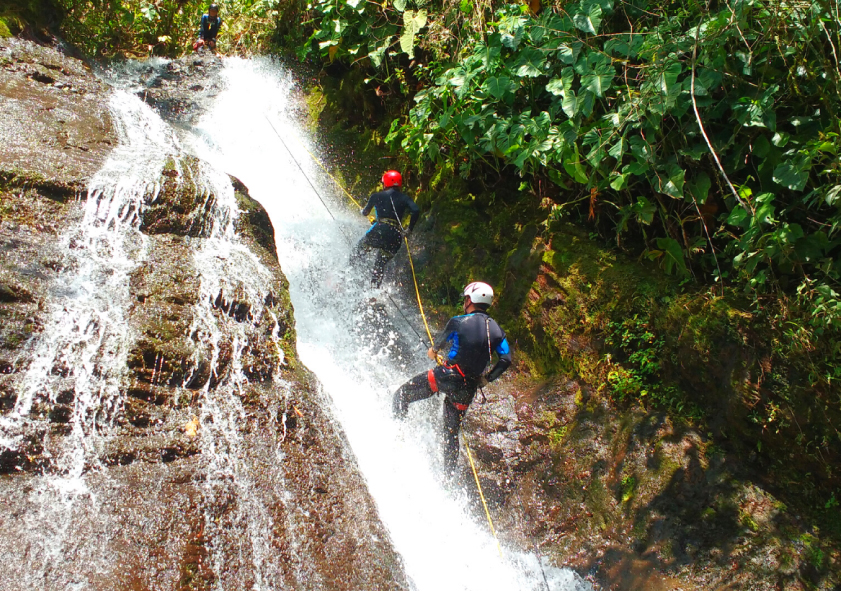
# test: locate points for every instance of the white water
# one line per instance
(84, 346)
(444, 544)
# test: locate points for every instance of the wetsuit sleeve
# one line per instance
(414, 212)
(503, 352)
(202, 26)
(369, 206)
(442, 338)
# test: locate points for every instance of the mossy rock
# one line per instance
(4, 29)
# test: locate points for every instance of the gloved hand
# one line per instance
(483, 381)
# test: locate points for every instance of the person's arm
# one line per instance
(202, 26)
(367, 209)
(414, 213)
(503, 351)
(444, 335)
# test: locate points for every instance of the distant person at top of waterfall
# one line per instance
(209, 28)
(385, 236)
(472, 338)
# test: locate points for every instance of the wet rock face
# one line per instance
(633, 500)
(179, 89)
(54, 121)
(212, 436)
(55, 133)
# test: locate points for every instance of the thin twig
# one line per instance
(701, 125)
(694, 200)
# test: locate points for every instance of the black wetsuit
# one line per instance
(209, 28)
(384, 237)
(472, 338)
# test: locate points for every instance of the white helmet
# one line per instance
(479, 293)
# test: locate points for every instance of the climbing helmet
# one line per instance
(392, 178)
(479, 293)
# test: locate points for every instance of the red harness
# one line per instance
(433, 384)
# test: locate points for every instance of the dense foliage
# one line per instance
(143, 27)
(701, 136)
(620, 113)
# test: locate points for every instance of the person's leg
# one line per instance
(417, 388)
(381, 258)
(452, 424)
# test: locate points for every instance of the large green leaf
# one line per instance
(530, 63)
(400, 5)
(501, 87)
(668, 76)
(378, 54)
(570, 105)
(598, 81)
(574, 168)
(791, 176)
(671, 183)
(413, 22)
(568, 52)
(700, 187)
(556, 87)
(589, 19)
(618, 149)
(672, 255)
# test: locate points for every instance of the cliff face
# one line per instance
(184, 445)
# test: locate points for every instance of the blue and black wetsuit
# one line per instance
(472, 339)
(384, 237)
(209, 28)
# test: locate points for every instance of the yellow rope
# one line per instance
(481, 494)
(417, 292)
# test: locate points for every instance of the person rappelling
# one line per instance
(385, 236)
(209, 28)
(473, 338)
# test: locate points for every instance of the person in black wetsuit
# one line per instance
(386, 235)
(472, 338)
(209, 28)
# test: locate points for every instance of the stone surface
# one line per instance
(632, 500)
(55, 128)
(168, 496)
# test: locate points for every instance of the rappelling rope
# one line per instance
(481, 494)
(417, 294)
(306, 176)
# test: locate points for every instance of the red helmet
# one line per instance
(392, 178)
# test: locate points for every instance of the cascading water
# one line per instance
(443, 543)
(255, 530)
(81, 358)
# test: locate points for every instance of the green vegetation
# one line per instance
(599, 109)
(526, 123)
(141, 28)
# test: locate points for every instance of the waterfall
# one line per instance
(76, 518)
(443, 542)
(80, 359)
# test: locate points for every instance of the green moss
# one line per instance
(4, 29)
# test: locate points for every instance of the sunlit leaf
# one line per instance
(589, 19)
